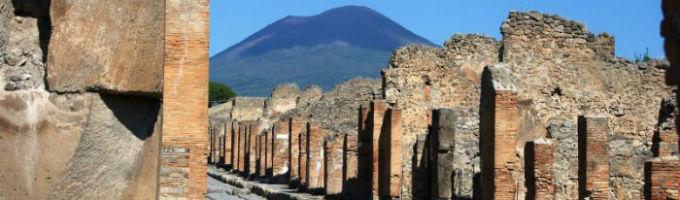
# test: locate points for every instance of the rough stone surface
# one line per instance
(124, 54)
(82, 145)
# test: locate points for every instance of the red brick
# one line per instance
(185, 91)
(280, 151)
(377, 117)
(594, 138)
(663, 178)
(315, 179)
(543, 158)
(227, 144)
(333, 163)
(296, 126)
(303, 156)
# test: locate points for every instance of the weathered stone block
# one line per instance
(124, 54)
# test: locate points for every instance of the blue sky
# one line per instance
(634, 23)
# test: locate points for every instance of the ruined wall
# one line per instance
(76, 121)
(566, 71)
(419, 79)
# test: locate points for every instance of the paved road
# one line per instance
(221, 191)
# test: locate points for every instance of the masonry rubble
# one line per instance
(546, 112)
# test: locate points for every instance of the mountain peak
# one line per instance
(345, 31)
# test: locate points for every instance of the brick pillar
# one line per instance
(280, 153)
(252, 150)
(350, 167)
(242, 148)
(227, 144)
(185, 100)
(315, 158)
(390, 150)
(211, 157)
(377, 116)
(234, 144)
(303, 165)
(262, 145)
(333, 163)
(220, 147)
(593, 157)
(668, 143)
(662, 177)
(540, 156)
(294, 151)
(498, 133)
(269, 171)
(361, 188)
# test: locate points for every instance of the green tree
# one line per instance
(218, 93)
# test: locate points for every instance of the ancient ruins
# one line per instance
(107, 100)
(103, 99)
(548, 112)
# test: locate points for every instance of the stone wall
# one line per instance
(419, 79)
(80, 107)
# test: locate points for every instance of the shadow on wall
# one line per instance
(137, 114)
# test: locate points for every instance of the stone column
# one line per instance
(442, 148)
(333, 163)
(662, 178)
(593, 157)
(280, 152)
(315, 158)
(294, 151)
(185, 92)
(377, 117)
(566, 157)
(498, 133)
(227, 144)
(540, 159)
(303, 165)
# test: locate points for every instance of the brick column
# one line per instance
(333, 163)
(315, 158)
(269, 171)
(242, 148)
(252, 150)
(211, 157)
(593, 157)
(294, 151)
(262, 145)
(350, 167)
(234, 144)
(540, 155)
(390, 155)
(662, 178)
(303, 165)
(377, 116)
(361, 188)
(227, 144)
(498, 133)
(668, 143)
(220, 147)
(280, 153)
(185, 100)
